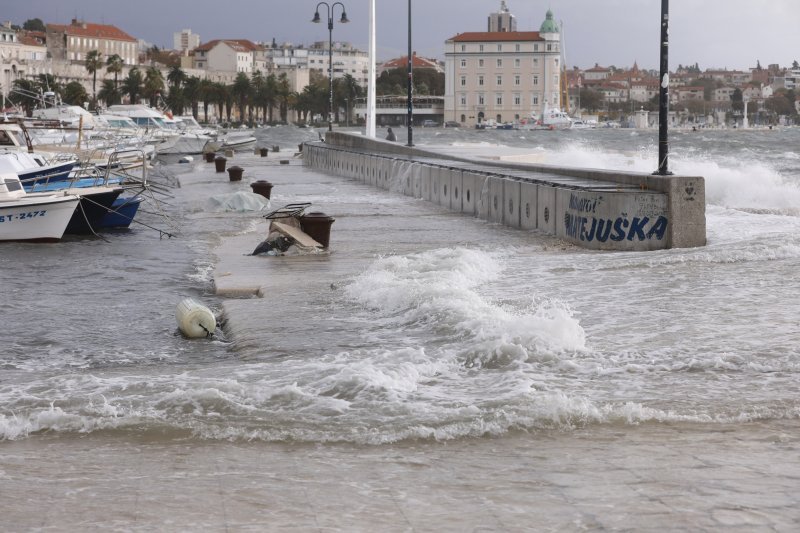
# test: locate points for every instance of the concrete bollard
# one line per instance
(263, 151)
(262, 187)
(318, 226)
(220, 163)
(235, 173)
(209, 157)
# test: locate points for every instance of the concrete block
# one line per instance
(432, 193)
(471, 185)
(613, 220)
(511, 203)
(456, 190)
(546, 209)
(416, 180)
(491, 207)
(444, 187)
(425, 180)
(528, 205)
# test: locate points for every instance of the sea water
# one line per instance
(506, 332)
(436, 329)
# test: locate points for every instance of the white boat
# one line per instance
(38, 218)
(232, 141)
(172, 140)
(551, 119)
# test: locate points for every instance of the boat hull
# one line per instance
(36, 220)
(122, 213)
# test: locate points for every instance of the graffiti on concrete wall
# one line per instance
(585, 225)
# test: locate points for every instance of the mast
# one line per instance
(371, 107)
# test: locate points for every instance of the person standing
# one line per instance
(390, 136)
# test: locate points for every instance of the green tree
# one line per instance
(591, 100)
(241, 90)
(282, 95)
(34, 25)
(205, 93)
(108, 93)
(93, 63)
(737, 102)
(191, 93)
(153, 85)
(114, 65)
(24, 94)
(271, 94)
(132, 85)
(75, 94)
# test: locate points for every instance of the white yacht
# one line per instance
(155, 123)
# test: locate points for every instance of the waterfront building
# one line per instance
(503, 20)
(185, 40)
(71, 42)
(503, 76)
(416, 62)
(230, 56)
(346, 59)
(23, 54)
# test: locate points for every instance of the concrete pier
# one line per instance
(595, 209)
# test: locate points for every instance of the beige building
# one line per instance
(185, 41)
(71, 42)
(22, 55)
(230, 56)
(503, 76)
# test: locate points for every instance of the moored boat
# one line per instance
(37, 218)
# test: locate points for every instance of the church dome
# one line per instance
(549, 25)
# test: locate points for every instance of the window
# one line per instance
(463, 47)
(463, 63)
(480, 99)
(499, 80)
(480, 80)
(516, 80)
(535, 99)
(555, 80)
(535, 62)
(480, 63)
(498, 98)
(516, 63)
(516, 48)
(517, 99)
(535, 80)
(463, 81)
(549, 47)
(480, 48)
(463, 99)
(499, 63)
(499, 47)
(535, 47)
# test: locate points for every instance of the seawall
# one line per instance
(595, 209)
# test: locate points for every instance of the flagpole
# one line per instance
(371, 108)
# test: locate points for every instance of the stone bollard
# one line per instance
(276, 148)
(262, 187)
(264, 152)
(235, 173)
(220, 162)
(318, 226)
(209, 157)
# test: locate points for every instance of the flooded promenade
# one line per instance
(433, 372)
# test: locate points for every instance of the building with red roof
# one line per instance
(71, 42)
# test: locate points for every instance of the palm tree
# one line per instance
(191, 92)
(240, 91)
(205, 92)
(23, 94)
(176, 77)
(93, 63)
(282, 94)
(153, 85)
(132, 85)
(271, 94)
(108, 93)
(114, 65)
(75, 94)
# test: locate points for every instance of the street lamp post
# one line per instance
(663, 100)
(343, 20)
(410, 90)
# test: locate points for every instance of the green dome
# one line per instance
(549, 25)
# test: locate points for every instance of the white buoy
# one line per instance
(195, 320)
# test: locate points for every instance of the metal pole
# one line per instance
(371, 107)
(663, 105)
(410, 84)
(330, 68)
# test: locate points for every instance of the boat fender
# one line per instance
(194, 320)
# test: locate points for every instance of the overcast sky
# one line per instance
(714, 33)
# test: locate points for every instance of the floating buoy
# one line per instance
(195, 320)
